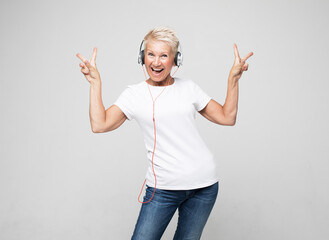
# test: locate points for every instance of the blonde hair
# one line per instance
(164, 34)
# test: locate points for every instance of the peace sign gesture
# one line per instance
(89, 69)
(240, 64)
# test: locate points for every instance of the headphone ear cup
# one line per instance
(178, 59)
(142, 57)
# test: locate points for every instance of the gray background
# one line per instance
(58, 180)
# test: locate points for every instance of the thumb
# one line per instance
(87, 63)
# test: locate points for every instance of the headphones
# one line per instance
(178, 57)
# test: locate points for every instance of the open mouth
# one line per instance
(157, 70)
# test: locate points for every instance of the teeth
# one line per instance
(157, 69)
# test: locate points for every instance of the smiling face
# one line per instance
(159, 60)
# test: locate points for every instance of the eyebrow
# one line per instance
(148, 50)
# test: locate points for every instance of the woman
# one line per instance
(182, 170)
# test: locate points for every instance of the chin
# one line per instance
(159, 78)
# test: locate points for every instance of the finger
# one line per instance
(248, 56)
(236, 52)
(81, 57)
(93, 57)
(84, 69)
(87, 63)
(83, 66)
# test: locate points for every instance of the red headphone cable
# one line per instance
(155, 178)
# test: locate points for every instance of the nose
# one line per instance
(156, 61)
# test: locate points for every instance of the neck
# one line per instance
(164, 82)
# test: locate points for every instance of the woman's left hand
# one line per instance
(239, 65)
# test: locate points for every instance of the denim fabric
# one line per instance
(194, 207)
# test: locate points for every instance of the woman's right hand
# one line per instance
(89, 69)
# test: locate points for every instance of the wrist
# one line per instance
(232, 77)
(96, 83)
(233, 81)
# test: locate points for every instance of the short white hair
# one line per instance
(164, 34)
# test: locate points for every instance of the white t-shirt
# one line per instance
(182, 161)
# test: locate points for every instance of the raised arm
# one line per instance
(226, 114)
(100, 120)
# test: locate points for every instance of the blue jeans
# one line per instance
(194, 207)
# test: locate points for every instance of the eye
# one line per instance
(164, 55)
(150, 54)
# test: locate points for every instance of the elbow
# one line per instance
(233, 121)
(230, 120)
(226, 123)
(96, 130)
(229, 123)
(103, 129)
(97, 127)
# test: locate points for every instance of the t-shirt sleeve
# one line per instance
(200, 98)
(125, 103)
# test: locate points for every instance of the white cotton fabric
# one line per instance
(182, 161)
